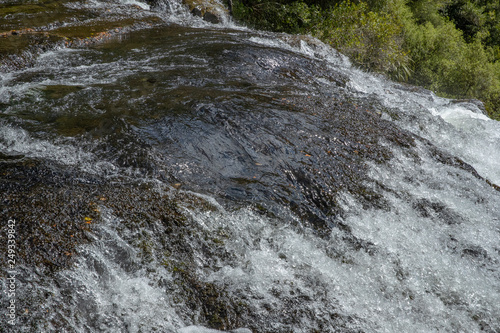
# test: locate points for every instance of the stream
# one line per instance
(183, 176)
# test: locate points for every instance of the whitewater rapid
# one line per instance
(246, 181)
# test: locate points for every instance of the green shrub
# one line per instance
(444, 62)
(294, 17)
(372, 40)
(434, 51)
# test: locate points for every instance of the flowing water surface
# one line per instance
(192, 177)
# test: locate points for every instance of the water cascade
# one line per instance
(176, 175)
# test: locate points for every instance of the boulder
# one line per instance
(210, 10)
(474, 105)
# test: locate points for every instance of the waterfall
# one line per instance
(184, 176)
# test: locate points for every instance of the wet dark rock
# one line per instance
(153, 3)
(471, 104)
(454, 161)
(218, 309)
(414, 89)
(31, 28)
(49, 206)
(247, 124)
(436, 211)
(475, 252)
(197, 12)
(212, 18)
(210, 10)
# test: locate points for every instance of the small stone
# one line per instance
(212, 18)
(196, 12)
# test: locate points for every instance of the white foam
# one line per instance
(15, 141)
(136, 3)
(419, 277)
(306, 45)
(201, 329)
(458, 115)
(108, 295)
(271, 42)
(458, 128)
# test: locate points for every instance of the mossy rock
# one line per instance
(99, 29)
(19, 15)
(18, 49)
(54, 212)
(210, 10)
(27, 29)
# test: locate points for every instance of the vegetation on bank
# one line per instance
(449, 46)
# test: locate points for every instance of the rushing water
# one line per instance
(190, 177)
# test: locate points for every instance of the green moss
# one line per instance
(59, 91)
(11, 45)
(93, 28)
(19, 15)
(16, 7)
(29, 28)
